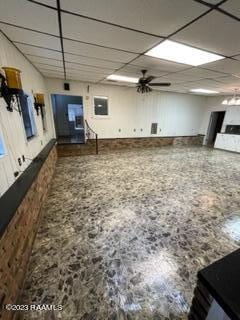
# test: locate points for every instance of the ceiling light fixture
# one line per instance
(177, 52)
(232, 101)
(116, 77)
(204, 91)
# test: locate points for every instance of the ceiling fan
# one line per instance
(144, 83)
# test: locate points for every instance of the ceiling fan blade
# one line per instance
(149, 78)
(160, 84)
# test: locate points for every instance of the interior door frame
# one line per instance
(212, 121)
(53, 94)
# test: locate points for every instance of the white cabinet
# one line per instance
(230, 142)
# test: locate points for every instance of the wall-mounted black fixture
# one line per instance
(11, 87)
(39, 102)
(66, 86)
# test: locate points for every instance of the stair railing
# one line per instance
(91, 135)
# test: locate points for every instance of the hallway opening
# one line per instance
(215, 127)
(68, 118)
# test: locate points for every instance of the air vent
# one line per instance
(154, 128)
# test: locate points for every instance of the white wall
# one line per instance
(176, 114)
(11, 124)
(232, 116)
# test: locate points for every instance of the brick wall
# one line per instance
(17, 240)
(183, 141)
(106, 145)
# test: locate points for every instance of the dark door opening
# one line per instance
(215, 127)
(68, 118)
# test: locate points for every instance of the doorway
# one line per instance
(68, 118)
(215, 127)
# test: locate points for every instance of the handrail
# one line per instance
(89, 128)
(88, 132)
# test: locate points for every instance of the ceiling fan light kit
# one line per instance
(143, 84)
(232, 101)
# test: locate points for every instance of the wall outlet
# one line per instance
(19, 161)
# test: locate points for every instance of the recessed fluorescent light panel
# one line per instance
(117, 77)
(177, 52)
(204, 91)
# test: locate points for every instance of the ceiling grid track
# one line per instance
(61, 36)
(85, 63)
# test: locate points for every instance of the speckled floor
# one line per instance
(124, 234)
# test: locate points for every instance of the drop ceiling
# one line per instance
(88, 40)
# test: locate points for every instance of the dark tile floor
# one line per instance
(123, 235)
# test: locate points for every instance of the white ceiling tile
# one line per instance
(234, 81)
(34, 38)
(71, 65)
(45, 60)
(178, 78)
(146, 62)
(92, 61)
(81, 73)
(232, 6)
(95, 77)
(48, 66)
(231, 88)
(214, 32)
(102, 34)
(172, 88)
(116, 83)
(220, 87)
(202, 73)
(227, 65)
(53, 75)
(84, 79)
(52, 3)
(203, 84)
(206, 82)
(160, 17)
(133, 71)
(85, 73)
(44, 68)
(26, 49)
(27, 14)
(97, 52)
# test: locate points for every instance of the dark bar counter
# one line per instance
(218, 285)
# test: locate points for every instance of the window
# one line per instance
(28, 116)
(101, 106)
(75, 115)
(2, 147)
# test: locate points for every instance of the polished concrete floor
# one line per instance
(123, 235)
